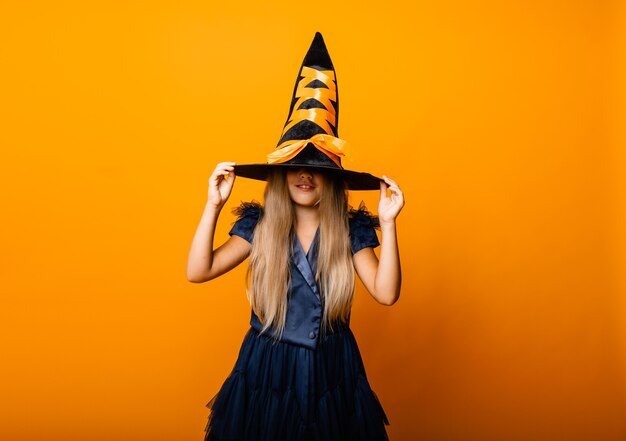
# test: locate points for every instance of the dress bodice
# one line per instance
(304, 307)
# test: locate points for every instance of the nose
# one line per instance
(304, 173)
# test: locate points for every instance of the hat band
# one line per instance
(331, 146)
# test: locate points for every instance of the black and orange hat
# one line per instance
(310, 136)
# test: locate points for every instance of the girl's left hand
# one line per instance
(389, 206)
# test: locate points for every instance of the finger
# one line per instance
(383, 190)
(387, 178)
(222, 173)
(399, 201)
(218, 174)
(390, 181)
(394, 189)
(223, 170)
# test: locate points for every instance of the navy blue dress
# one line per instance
(307, 386)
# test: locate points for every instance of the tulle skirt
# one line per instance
(278, 391)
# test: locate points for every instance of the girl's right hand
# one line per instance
(219, 187)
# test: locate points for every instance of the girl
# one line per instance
(299, 374)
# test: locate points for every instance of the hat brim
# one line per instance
(354, 180)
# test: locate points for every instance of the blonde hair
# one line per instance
(268, 274)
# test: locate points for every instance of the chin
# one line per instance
(307, 202)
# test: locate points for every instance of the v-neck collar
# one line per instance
(315, 236)
(307, 263)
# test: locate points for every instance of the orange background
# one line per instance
(503, 123)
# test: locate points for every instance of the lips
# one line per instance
(305, 187)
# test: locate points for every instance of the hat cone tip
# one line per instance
(318, 55)
(318, 40)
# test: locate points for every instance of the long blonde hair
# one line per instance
(268, 274)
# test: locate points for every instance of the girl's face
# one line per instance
(305, 186)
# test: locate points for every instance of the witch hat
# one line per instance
(310, 137)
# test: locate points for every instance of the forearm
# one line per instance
(388, 276)
(200, 258)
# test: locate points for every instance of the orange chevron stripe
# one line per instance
(321, 117)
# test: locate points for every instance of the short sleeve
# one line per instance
(363, 226)
(248, 214)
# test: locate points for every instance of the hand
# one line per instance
(389, 206)
(221, 183)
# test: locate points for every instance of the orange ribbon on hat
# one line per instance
(331, 146)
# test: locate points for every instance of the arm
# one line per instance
(383, 278)
(204, 263)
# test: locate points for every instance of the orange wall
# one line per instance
(501, 121)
